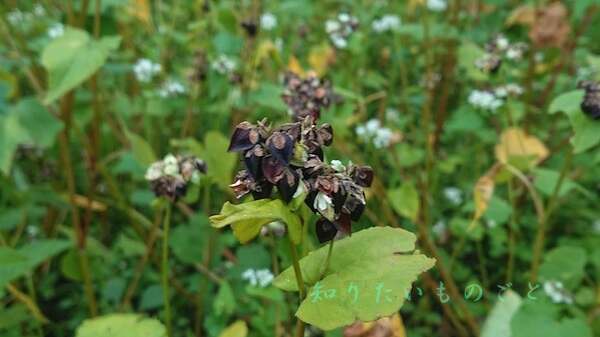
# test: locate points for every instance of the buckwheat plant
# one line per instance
(169, 179)
(290, 182)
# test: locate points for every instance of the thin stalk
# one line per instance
(327, 259)
(32, 294)
(540, 237)
(300, 282)
(28, 302)
(142, 263)
(165, 270)
(63, 138)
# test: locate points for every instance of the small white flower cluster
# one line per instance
(260, 277)
(373, 131)
(510, 89)
(340, 29)
(337, 165)
(437, 5)
(392, 115)
(485, 100)
(324, 205)
(276, 228)
(387, 23)
(39, 10)
(145, 70)
(268, 21)
(169, 166)
(512, 51)
(491, 223)
(171, 88)
(16, 16)
(440, 228)
(557, 292)
(224, 65)
(56, 30)
(454, 195)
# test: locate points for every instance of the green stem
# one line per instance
(165, 270)
(300, 282)
(540, 237)
(327, 260)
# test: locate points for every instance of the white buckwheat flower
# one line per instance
(557, 292)
(387, 23)
(454, 195)
(268, 21)
(145, 70)
(437, 5)
(56, 30)
(261, 277)
(484, 100)
(171, 88)
(224, 65)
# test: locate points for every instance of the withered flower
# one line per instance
(170, 177)
(306, 97)
(591, 100)
(290, 157)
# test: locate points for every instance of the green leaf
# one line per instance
(30, 256)
(540, 318)
(121, 325)
(224, 303)
(152, 298)
(468, 53)
(220, 163)
(237, 329)
(587, 131)
(568, 102)
(377, 258)
(565, 264)
(73, 58)
(188, 240)
(405, 200)
(497, 324)
(142, 151)
(28, 122)
(546, 180)
(247, 219)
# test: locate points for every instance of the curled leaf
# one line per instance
(248, 218)
(519, 149)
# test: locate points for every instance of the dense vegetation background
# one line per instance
(469, 112)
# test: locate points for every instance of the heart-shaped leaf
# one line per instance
(121, 325)
(247, 219)
(72, 58)
(368, 276)
(587, 131)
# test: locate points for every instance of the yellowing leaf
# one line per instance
(294, 66)
(247, 219)
(140, 9)
(519, 149)
(483, 191)
(387, 326)
(264, 50)
(320, 58)
(121, 325)
(522, 15)
(237, 329)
